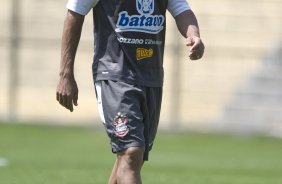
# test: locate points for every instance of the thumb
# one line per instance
(189, 41)
(75, 98)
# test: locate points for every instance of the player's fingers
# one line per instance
(61, 99)
(197, 51)
(194, 56)
(65, 101)
(75, 98)
(189, 41)
(197, 54)
(196, 45)
(69, 104)
(57, 96)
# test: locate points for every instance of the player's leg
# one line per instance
(123, 159)
(113, 177)
(98, 90)
(130, 162)
(119, 106)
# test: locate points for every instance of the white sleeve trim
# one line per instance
(175, 7)
(81, 7)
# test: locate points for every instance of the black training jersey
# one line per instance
(129, 40)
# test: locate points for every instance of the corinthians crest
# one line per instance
(120, 127)
(145, 6)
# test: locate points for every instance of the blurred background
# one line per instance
(235, 88)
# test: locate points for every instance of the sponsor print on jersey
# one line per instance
(136, 41)
(120, 127)
(142, 53)
(145, 22)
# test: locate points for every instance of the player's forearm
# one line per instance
(187, 24)
(70, 40)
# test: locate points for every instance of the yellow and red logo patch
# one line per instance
(142, 53)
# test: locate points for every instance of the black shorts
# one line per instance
(130, 114)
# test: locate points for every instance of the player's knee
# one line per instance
(133, 157)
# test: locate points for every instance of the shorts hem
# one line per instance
(134, 144)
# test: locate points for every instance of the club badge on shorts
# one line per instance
(120, 127)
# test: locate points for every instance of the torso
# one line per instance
(131, 48)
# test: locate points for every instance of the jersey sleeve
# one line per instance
(81, 7)
(175, 7)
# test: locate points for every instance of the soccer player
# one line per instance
(129, 37)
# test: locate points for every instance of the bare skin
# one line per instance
(188, 26)
(113, 177)
(127, 168)
(129, 162)
(67, 90)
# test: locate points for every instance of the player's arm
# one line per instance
(188, 26)
(67, 90)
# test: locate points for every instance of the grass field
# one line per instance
(60, 155)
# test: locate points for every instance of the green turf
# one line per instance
(57, 155)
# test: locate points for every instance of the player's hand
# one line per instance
(67, 92)
(197, 47)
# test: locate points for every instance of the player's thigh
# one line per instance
(123, 118)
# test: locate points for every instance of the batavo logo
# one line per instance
(145, 22)
(142, 53)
